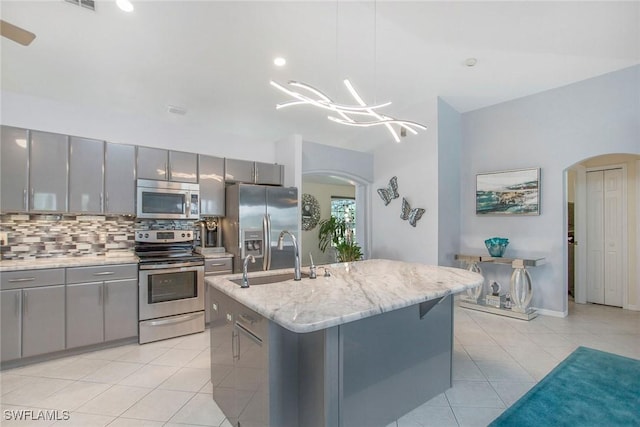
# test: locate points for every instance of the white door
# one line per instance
(604, 237)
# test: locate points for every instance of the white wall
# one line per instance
(176, 132)
(415, 162)
(449, 143)
(551, 130)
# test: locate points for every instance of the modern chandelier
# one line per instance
(361, 115)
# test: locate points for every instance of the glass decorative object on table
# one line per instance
(496, 246)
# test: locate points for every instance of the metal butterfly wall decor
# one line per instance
(412, 215)
(389, 193)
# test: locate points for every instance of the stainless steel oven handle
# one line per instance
(172, 268)
(174, 320)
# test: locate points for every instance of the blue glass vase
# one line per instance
(496, 246)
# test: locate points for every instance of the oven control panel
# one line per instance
(164, 236)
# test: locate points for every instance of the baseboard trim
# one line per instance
(632, 307)
(551, 313)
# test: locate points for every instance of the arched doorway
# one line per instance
(603, 235)
(328, 185)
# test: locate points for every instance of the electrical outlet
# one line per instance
(4, 238)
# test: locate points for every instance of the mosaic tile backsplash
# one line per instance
(47, 236)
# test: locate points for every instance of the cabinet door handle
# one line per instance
(23, 279)
(101, 202)
(235, 345)
(25, 200)
(180, 319)
(104, 273)
(17, 310)
(220, 264)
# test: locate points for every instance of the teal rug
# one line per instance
(588, 388)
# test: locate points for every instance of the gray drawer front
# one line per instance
(218, 265)
(102, 273)
(29, 278)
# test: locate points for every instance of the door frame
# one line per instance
(581, 233)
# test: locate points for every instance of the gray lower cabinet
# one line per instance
(11, 324)
(33, 312)
(120, 309)
(85, 318)
(120, 179)
(48, 165)
(43, 320)
(14, 173)
(100, 310)
(214, 267)
(211, 179)
(86, 165)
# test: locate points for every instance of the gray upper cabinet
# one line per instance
(86, 165)
(119, 179)
(48, 171)
(152, 163)
(268, 173)
(14, 172)
(238, 171)
(253, 172)
(211, 178)
(183, 167)
(160, 164)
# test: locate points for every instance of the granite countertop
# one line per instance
(352, 292)
(62, 262)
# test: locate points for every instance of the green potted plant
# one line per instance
(334, 231)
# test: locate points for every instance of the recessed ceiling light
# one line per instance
(279, 61)
(470, 62)
(125, 5)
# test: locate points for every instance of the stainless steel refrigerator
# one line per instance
(256, 214)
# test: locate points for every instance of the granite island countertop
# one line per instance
(62, 262)
(353, 291)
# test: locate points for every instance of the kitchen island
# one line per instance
(362, 346)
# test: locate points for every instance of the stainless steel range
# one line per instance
(170, 285)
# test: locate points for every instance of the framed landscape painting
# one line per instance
(514, 192)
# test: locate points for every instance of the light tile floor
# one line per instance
(496, 360)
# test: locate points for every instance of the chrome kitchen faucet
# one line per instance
(296, 272)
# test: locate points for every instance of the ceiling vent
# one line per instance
(89, 4)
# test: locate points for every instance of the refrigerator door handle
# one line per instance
(266, 265)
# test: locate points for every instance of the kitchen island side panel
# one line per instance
(394, 362)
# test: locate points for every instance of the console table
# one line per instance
(520, 286)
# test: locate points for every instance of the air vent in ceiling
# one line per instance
(89, 4)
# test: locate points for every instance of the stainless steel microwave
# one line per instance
(167, 200)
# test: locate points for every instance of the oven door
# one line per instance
(170, 291)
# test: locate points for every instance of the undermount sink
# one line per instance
(263, 280)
